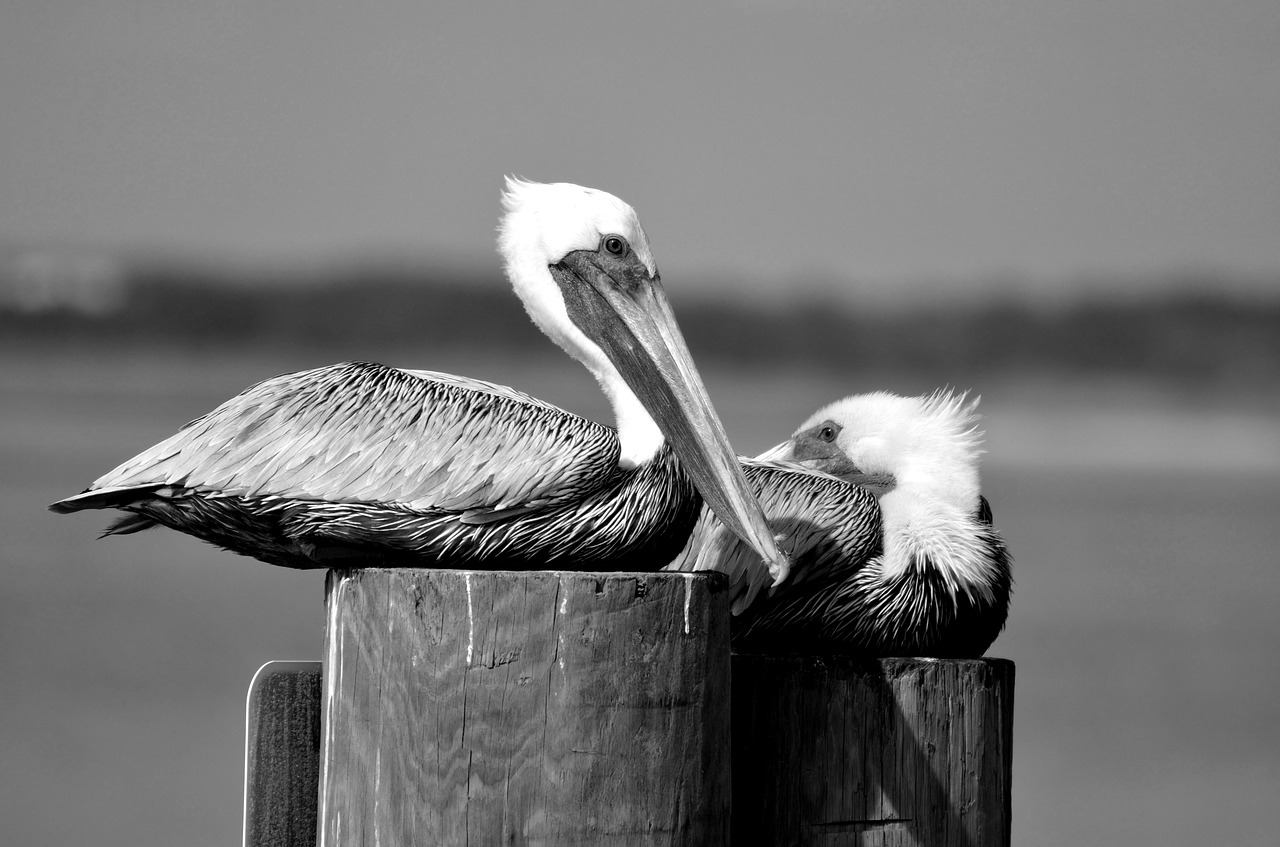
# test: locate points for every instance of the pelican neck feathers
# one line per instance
(541, 224)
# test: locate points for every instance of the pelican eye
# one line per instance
(828, 432)
(615, 245)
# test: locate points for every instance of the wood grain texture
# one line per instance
(540, 708)
(837, 751)
(282, 755)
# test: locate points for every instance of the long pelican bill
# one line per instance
(625, 311)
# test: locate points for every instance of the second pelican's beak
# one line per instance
(620, 306)
(777, 453)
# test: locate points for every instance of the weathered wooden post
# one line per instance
(282, 755)
(832, 750)
(826, 750)
(481, 708)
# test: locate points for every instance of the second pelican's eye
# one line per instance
(828, 432)
(615, 245)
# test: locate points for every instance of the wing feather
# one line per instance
(371, 433)
(825, 525)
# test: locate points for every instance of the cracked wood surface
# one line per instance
(539, 708)
(836, 751)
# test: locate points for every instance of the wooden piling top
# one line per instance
(526, 707)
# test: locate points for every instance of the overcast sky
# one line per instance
(761, 140)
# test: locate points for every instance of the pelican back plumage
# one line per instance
(360, 463)
(822, 523)
(859, 609)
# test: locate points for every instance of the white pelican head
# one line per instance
(581, 263)
(919, 456)
(883, 441)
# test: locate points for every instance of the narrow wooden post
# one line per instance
(831, 750)
(551, 708)
(282, 755)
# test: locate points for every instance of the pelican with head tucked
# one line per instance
(892, 549)
(363, 464)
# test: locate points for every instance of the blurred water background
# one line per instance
(1070, 209)
(1139, 495)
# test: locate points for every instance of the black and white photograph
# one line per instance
(778, 422)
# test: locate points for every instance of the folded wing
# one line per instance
(366, 433)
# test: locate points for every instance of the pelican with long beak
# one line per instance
(363, 464)
(893, 554)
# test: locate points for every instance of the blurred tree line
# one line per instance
(1196, 335)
